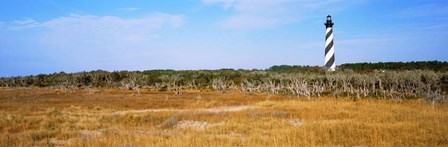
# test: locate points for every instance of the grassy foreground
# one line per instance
(113, 117)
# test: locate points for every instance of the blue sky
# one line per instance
(48, 36)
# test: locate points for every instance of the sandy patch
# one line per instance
(228, 109)
(214, 110)
(196, 124)
(56, 142)
(295, 122)
(88, 134)
(147, 110)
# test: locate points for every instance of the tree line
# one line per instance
(310, 82)
(419, 65)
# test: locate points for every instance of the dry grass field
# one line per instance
(114, 117)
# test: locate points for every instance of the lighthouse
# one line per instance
(329, 46)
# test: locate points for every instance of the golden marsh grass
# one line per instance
(113, 117)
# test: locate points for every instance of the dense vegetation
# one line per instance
(363, 80)
(419, 65)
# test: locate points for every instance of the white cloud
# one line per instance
(24, 22)
(426, 10)
(129, 9)
(89, 41)
(100, 29)
(109, 28)
(264, 14)
(321, 3)
(19, 24)
(260, 14)
(226, 3)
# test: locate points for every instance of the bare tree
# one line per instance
(298, 87)
(191, 83)
(221, 85)
(249, 86)
(4, 83)
(318, 87)
(173, 84)
(132, 82)
(270, 86)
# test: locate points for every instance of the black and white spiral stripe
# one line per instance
(329, 50)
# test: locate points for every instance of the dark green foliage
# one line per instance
(296, 69)
(419, 65)
(353, 80)
(444, 83)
